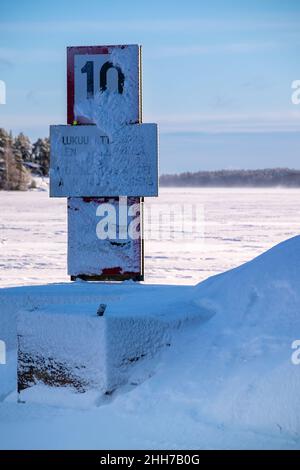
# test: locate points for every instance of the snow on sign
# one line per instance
(118, 256)
(105, 152)
(86, 161)
(104, 85)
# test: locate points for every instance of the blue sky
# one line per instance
(216, 74)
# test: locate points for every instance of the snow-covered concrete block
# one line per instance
(8, 337)
(75, 347)
(86, 161)
(93, 341)
(61, 346)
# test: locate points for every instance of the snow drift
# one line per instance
(239, 364)
(228, 382)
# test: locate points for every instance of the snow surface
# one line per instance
(227, 382)
(238, 225)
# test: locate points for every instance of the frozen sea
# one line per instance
(238, 387)
(235, 226)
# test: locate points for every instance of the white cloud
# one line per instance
(19, 56)
(229, 48)
(30, 121)
(153, 25)
(195, 122)
(229, 122)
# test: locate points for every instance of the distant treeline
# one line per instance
(20, 159)
(234, 178)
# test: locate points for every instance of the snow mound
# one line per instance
(236, 370)
(262, 293)
(40, 183)
(228, 382)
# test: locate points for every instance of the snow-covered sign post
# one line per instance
(105, 161)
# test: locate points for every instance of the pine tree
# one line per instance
(13, 174)
(19, 175)
(4, 143)
(23, 146)
(41, 154)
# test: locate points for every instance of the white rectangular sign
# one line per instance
(101, 78)
(104, 237)
(87, 162)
